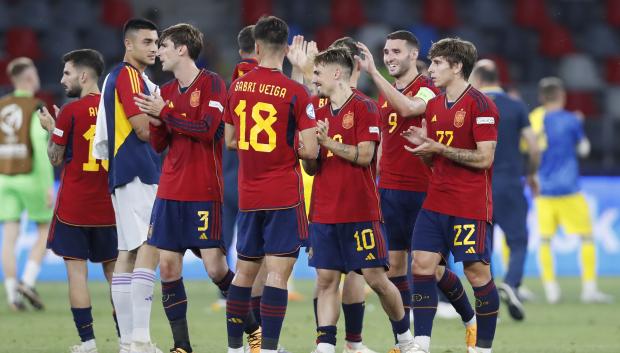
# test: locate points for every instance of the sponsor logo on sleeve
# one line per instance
(58, 132)
(310, 111)
(373, 129)
(482, 120)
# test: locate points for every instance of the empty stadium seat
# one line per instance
(440, 13)
(347, 13)
(116, 12)
(612, 70)
(583, 101)
(579, 72)
(531, 13)
(612, 10)
(612, 101)
(326, 35)
(555, 41)
(22, 41)
(252, 10)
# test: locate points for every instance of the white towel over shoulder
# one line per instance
(100, 144)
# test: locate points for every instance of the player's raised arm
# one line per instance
(403, 105)
(57, 136)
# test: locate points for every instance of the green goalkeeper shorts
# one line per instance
(19, 193)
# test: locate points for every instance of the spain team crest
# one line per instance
(459, 118)
(194, 99)
(347, 120)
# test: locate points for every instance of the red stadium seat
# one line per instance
(612, 9)
(531, 13)
(503, 68)
(556, 41)
(348, 13)
(584, 102)
(440, 13)
(252, 10)
(47, 97)
(4, 77)
(326, 35)
(115, 13)
(23, 42)
(612, 69)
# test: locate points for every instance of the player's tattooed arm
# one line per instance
(361, 154)
(56, 153)
(480, 158)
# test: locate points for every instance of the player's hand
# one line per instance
(367, 62)
(311, 50)
(416, 135)
(150, 104)
(297, 52)
(322, 129)
(47, 121)
(534, 184)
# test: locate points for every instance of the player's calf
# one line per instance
(487, 297)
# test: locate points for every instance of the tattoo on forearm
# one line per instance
(55, 153)
(462, 155)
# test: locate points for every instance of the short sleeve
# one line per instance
(60, 135)
(485, 122)
(367, 121)
(128, 85)
(304, 111)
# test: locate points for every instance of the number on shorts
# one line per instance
(471, 228)
(204, 217)
(365, 241)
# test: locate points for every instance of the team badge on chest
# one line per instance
(459, 118)
(194, 99)
(347, 120)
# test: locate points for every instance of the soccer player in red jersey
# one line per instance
(345, 214)
(403, 178)
(75, 235)
(353, 288)
(187, 119)
(248, 62)
(265, 110)
(121, 136)
(458, 139)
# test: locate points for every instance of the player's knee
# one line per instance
(216, 273)
(169, 270)
(327, 282)
(422, 266)
(477, 274)
(439, 272)
(379, 284)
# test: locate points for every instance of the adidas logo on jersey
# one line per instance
(203, 236)
(370, 257)
(434, 119)
(471, 250)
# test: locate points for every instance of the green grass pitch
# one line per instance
(567, 327)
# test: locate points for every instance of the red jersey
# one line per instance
(83, 197)
(399, 169)
(243, 67)
(193, 131)
(320, 102)
(455, 189)
(268, 109)
(342, 191)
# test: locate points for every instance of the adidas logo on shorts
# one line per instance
(370, 257)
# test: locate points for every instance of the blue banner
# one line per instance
(602, 193)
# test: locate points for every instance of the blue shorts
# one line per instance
(347, 247)
(271, 232)
(182, 225)
(400, 209)
(465, 238)
(97, 244)
(510, 211)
